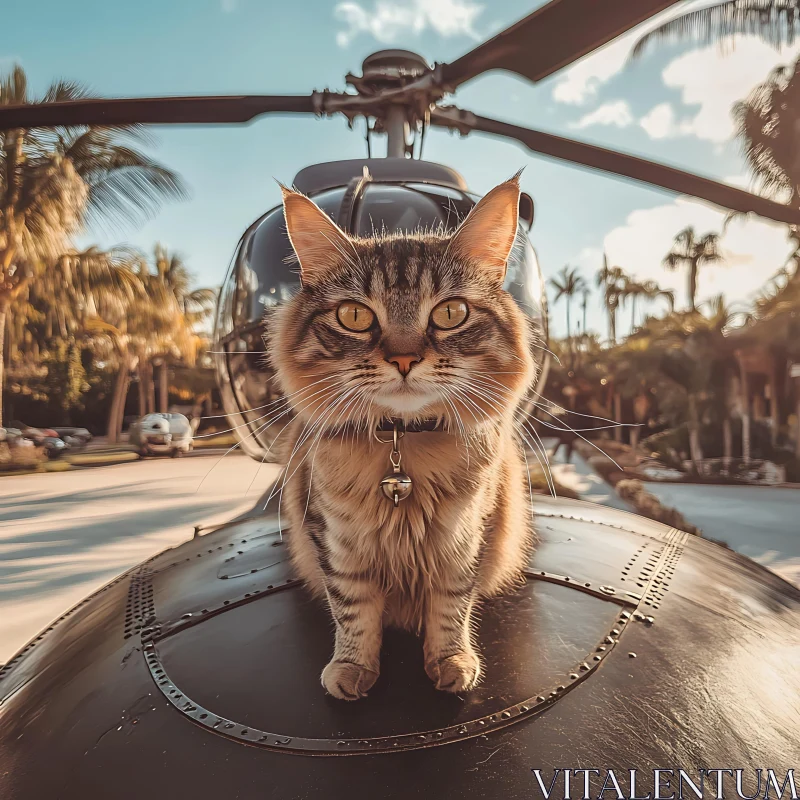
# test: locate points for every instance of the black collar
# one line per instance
(387, 425)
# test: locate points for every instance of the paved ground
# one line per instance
(581, 478)
(63, 535)
(759, 521)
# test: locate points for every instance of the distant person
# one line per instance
(566, 438)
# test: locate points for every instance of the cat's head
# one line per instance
(403, 325)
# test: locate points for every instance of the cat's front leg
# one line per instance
(451, 660)
(357, 609)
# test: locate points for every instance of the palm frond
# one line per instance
(777, 22)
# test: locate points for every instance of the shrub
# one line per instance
(648, 505)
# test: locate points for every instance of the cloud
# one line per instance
(712, 79)
(617, 113)
(389, 21)
(740, 181)
(753, 249)
(228, 6)
(660, 122)
(580, 82)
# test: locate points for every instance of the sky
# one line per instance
(673, 105)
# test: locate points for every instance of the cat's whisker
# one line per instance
(307, 433)
(281, 399)
(358, 396)
(544, 462)
(264, 427)
(307, 423)
(495, 400)
(602, 452)
(235, 352)
(566, 427)
(586, 416)
(320, 427)
(443, 391)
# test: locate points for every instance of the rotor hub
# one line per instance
(388, 69)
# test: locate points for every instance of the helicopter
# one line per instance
(632, 645)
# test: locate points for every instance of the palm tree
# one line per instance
(632, 291)
(611, 280)
(695, 253)
(767, 123)
(193, 306)
(646, 290)
(775, 21)
(54, 181)
(567, 284)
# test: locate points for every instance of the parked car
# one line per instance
(36, 435)
(74, 437)
(14, 438)
(162, 433)
(54, 446)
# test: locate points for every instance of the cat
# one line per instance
(406, 327)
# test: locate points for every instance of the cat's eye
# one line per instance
(355, 316)
(450, 314)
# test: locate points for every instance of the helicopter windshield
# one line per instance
(264, 273)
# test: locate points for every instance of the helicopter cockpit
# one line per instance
(399, 194)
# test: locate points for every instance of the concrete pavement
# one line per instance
(63, 535)
(761, 522)
(581, 478)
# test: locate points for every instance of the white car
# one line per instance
(162, 433)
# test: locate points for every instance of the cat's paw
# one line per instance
(347, 681)
(457, 673)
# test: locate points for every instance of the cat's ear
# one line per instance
(487, 235)
(320, 244)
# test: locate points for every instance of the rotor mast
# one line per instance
(387, 72)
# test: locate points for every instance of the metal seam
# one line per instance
(328, 747)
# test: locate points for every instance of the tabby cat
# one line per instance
(411, 327)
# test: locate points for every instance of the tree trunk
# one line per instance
(695, 453)
(3, 310)
(692, 285)
(634, 438)
(774, 412)
(117, 411)
(612, 325)
(150, 388)
(617, 416)
(569, 330)
(142, 388)
(745, 412)
(727, 445)
(797, 414)
(163, 387)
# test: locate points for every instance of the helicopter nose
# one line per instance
(404, 362)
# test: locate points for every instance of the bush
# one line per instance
(648, 505)
(22, 458)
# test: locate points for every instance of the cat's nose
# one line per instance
(404, 363)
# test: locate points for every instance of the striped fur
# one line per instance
(466, 532)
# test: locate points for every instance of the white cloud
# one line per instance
(712, 79)
(754, 249)
(389, 21)
(580, 82)
(617, 113)
(740, 181)
(660, 122)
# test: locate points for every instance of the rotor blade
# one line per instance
(627, 166)
(554, 36)
(152, 110)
